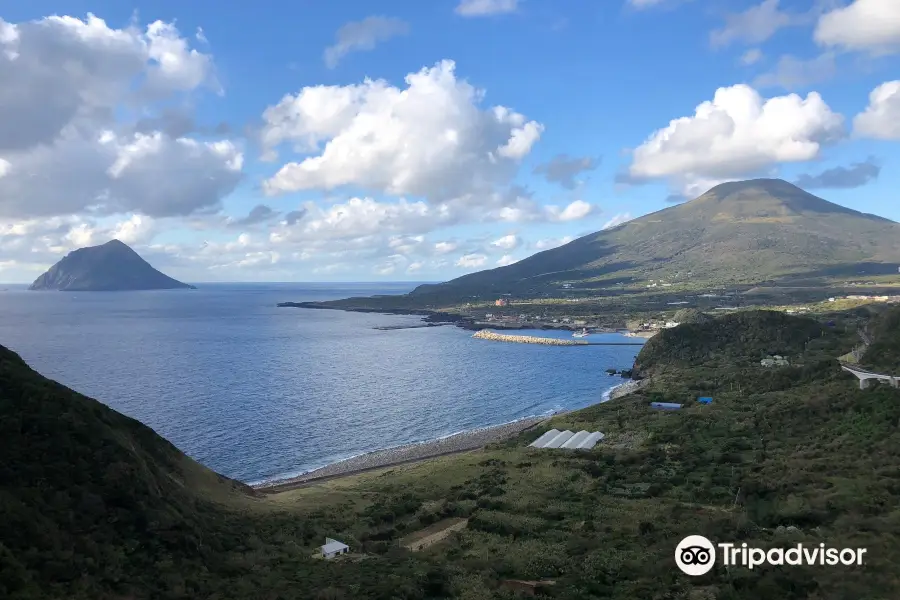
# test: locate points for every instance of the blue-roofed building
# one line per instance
(705, 400)
(665, 405)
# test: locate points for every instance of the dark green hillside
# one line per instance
(88, 496)
(736, 233)
(94, 506)
(737, 340)
(883, 355)
(691, 315)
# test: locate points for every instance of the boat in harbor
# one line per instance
(580, 334)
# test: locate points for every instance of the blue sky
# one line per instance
(233, 145)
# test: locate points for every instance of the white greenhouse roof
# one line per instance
(576, 439)
(559, 440)
(539, 443)
(566, 440)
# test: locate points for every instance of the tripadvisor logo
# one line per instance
(695, 555)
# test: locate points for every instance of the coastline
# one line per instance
(455, 443)
(432, 318)
(463, 441)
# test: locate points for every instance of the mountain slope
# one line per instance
(112, 266)
(740, 232)
(88, 496)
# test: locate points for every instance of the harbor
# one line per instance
(486, 334)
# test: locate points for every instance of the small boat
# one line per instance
(580, 334)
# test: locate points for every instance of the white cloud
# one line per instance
(865, 25)
(363, 35)
(791, 72)
(617, 220)
(71, 92)
(445, 247)
(753, 26)
(429, 140)
(415, 267)
(881, 118)
(471, 261)
(576, 210)
(751, 57)
(481, 8)
(507, 242)
(736, 134)
(506, 260)
(548, 243)
(360, 217)
(153, 174)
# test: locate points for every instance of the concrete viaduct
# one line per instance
(865, 376)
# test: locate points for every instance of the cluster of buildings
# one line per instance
(774, 360)
(654, 325)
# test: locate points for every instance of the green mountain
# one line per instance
(89, 497)
(736, 233)
(112, 266)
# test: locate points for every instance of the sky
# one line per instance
(408, 140)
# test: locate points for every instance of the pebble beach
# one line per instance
(460, 442)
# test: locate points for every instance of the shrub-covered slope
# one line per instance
(737, 339)
(883, 354)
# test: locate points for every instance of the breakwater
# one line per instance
(485, 334)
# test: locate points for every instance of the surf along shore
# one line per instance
(465, 441)
(389, 457)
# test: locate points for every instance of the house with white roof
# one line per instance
(334, 548)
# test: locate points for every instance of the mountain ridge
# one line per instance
(113, 266)
(738, 232)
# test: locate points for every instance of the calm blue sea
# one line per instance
(258, 392)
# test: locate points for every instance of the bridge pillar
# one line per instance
(895, 382)
(863, 383)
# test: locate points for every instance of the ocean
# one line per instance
(258, 392)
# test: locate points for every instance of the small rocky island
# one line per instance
(112, 266)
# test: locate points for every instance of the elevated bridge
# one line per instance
(865, 376)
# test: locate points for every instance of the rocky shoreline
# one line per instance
(629, 387)
(437, 317)
(460, 442)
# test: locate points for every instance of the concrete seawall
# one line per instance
(484, 334)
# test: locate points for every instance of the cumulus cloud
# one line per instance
(881, 118)
(617, 220)
(39, 242)
(548, 243)
(431, 139)
(471, 261)
(357, 36)
(506, 260)
(856, 175)
(445, 247)
(736, 134)
(791, 72)
(865, 25)
(507, 242)
(563, 169)
(68, 143)
(481, 8)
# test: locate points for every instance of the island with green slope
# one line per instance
(96, 505)
(744, 244)
(112, 266)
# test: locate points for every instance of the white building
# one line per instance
(333, 548)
